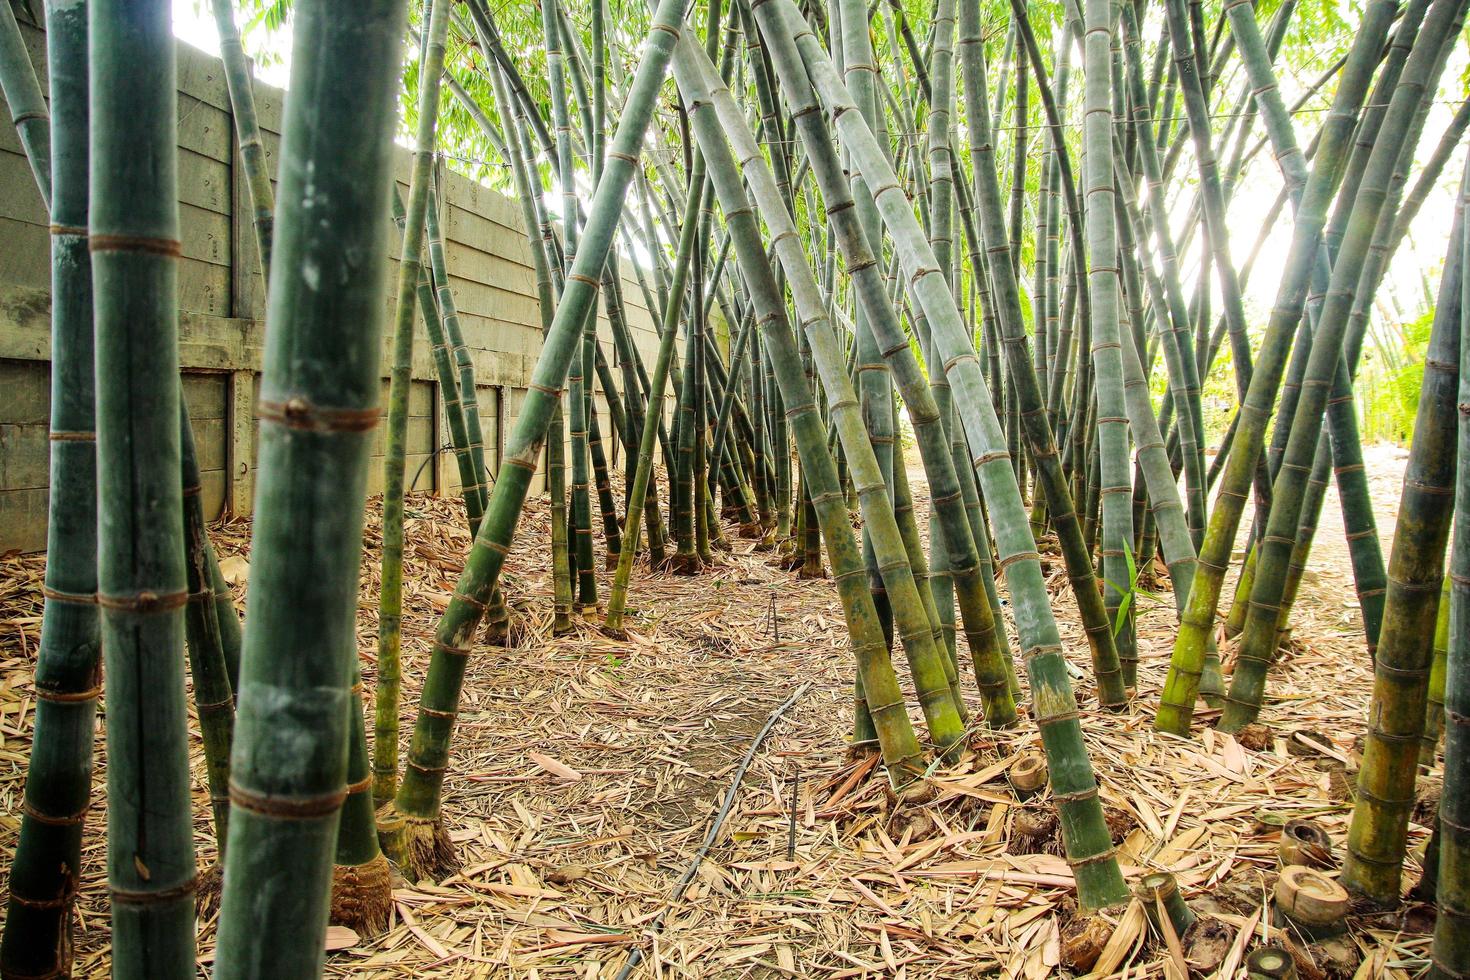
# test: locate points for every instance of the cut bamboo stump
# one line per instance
(1311, 902)
(1159, 893)
(1304, 842)
(1270, 963)
(1028, 774)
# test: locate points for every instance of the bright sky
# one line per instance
(1420, 256)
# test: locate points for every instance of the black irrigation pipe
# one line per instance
(677, 891)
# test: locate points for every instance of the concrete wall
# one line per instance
(222, 303)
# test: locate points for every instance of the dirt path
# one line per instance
(586, 769)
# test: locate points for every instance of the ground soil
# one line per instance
(586, 770)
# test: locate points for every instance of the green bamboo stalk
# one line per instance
(638, 491)
(1434, 716)
(464, 389)
(46, 869)
(1451, 949)
(1379, 828)
(580, 515)
(1177, 342)
(247, 129)
(1096, 619)
(1176, 708)
(931, 668)
(362, 886)
(1163, 491)
(27, 105)
(141, 579)
(473, 494)
(1217, 232)
(541, 241)
(980, 623)
(882, 698)
(395, 440)
(1258, 639)
(319, 401)
(214, 700)
(414, 833)
(1099, 883)
(1107, 363)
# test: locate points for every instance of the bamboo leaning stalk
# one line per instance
(874, 382)
(638, 491)
(27, 105)
(46, 869)
(541, 241)
(1196, 625)
(1451, 949)
(141, 581)
(1344, 454)
(992, 671)
(463, 380)
(580, 514)
(1088, 847)
(1097, 623)
(1258, 640)
(395, 438)
(1378, 833)
(247, 129)
(214, 701)
(930, 666)
(414, 831)
(474, 501)
(883, 700)
(319, 402)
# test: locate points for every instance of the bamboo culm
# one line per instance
(315, 437)
(141, 578)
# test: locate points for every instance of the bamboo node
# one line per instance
(167, 247)
(70, 820)
(130, 897)
(287, 807)
(300, 414)
(83, 598)
(144, 602)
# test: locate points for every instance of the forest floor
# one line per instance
(586, 771)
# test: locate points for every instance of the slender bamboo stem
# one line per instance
(247, 130)
(1088, 848)
(414, 835)
(46, 869)
(27, 105)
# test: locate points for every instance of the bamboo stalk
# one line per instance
(27, 105)
(1176, 707)
(1379, 828)
(247, 130)
(46, 868)
(1088, 848)
(319, 400)
(395, 440)
(414, 834)
(1451, 948)
(141, 578)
